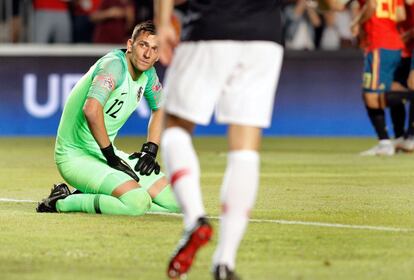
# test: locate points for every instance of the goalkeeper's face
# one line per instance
(143, 51)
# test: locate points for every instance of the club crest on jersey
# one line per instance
(139, 93)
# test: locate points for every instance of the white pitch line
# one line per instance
(281, 222)
(4, 199)
(314, 224)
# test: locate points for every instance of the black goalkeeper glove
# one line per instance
(117, 163)
(146, 159)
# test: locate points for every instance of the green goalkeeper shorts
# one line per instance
(91, 174)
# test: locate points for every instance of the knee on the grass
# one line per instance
(167, 200)
(170, 206)
(137, 201)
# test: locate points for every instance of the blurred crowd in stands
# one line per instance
(110, 22)
(71, 21)
(308, 27)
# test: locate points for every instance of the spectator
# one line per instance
(344, 20)
(16, 22)
(113, 21)
(52, 21)
(330, 37)
(300, 23)
(81, 23)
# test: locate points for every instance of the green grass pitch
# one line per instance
(302, 180)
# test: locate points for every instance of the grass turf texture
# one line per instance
(315, 180)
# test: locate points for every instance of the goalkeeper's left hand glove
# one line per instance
(147, 159)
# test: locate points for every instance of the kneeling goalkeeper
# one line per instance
(111, 181)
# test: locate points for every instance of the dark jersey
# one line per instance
(233, 20)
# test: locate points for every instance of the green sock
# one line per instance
(158, 209)
(166, 200)
(135, 203)
(77, 203)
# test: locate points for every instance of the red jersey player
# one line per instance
(376, 24)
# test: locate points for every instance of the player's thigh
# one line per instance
(374, 100)
(91, 175)
(379, 68)
(248, 96)
(196, 77)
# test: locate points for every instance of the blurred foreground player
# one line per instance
(376, 25)
(229, 64)
(97, 108)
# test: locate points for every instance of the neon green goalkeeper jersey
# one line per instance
(110, 72)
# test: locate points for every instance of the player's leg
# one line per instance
(163, 198)
(396, 101)
(398, 115)
(409, 142)
(182, 165)
(371, 99)
(105, 190)
(238, 191)
(157, 186)
(193, 83)
(248, 107)
(379, 69)
(126, 199)
(397, 108)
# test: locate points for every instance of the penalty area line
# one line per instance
(280, 222)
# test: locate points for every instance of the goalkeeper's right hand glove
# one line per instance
(117, 163)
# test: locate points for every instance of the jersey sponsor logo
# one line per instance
(139, 93)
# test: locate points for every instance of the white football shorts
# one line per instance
(235, 79)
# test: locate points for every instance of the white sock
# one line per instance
(238, 194)
(183, 170)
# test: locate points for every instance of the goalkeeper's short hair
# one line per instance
(143, 27)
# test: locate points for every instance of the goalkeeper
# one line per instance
(109, 180)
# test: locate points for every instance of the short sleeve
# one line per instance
(109, 74)
(153, 90)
